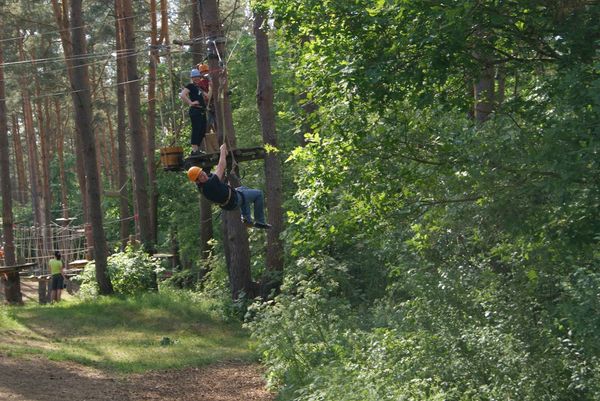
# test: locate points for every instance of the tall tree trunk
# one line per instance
(61, 160)
(61, 13)
(32, 151)
(136, 129)
(80, 171)
(19, 160)
(164, 38)
(206, 223)
(83, 120)
(50, 133)
(10, 281)
(164, 23)
(113, 171)
(98, 132)
(124, 212)
(235, 237)
(32, 159)
(500, 86)
(151, 125)
(264, 98)
(198, 42)
(43, 179)
(484, 94)
(484, 85)
(44, 170)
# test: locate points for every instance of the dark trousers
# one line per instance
(198, 118)
(57, 282)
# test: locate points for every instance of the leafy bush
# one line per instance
(463, 260)
(131, 272)
(462, 253)
(310, 318)
(184, 279)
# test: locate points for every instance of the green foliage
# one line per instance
(184, 279)
(131, 272)
(178, 216)
(304, 338)
(469, 251)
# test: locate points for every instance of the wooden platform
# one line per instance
(78, 264)
(209, 160)
(16, 268)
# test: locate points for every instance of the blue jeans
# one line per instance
(254, 197)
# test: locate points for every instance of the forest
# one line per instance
(431, 177)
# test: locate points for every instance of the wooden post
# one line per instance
(43, 291)
(90, 241)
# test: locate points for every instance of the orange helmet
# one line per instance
(193, 173)
(203, 68)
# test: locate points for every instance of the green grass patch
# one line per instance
(166, 330)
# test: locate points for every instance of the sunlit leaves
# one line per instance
(461, 241)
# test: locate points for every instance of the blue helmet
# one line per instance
(195, 73)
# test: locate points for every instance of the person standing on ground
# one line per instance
(57, 271)
(192, 96)
(214, 188)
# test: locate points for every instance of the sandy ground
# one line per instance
(37, 379)
(29, 291)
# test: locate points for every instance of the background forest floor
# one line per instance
(37, 379)
(111, 349)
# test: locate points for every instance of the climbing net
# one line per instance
(38, 243)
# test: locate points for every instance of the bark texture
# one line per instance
(271, 280)
(82, 105)
(10, 281)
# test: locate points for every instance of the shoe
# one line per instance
(247, 222)
(262, 225)
(197, 152)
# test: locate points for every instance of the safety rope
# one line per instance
(221, 98)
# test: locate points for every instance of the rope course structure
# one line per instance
(38, 243)
(208, 160)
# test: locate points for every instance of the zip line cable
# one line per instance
(80, 90)
(103, 57)
(107, 57)
(112, 54)
(141, 13)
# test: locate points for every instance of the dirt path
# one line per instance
(36, 379)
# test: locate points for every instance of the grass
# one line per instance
(160, 331)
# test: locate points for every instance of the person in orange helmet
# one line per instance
(207, 90)
(214, 188)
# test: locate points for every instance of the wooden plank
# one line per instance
(162, 255)
(208, 160)
(16, 268)
(79, 263)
